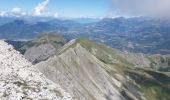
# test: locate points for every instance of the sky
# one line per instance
(84, 8)
(57, 8)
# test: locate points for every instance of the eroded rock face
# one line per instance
(19, 79)
(43, 47)
(39, 53)
(82, 74)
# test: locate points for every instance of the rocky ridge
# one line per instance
(91, 71)
(81, 73)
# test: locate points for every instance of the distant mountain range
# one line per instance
(140, 34)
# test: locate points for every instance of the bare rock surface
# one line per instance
(40, 53)
(20, 80)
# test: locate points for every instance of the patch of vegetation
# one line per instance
(160, 62)
(151, 84)
(154, 91)
(166, 69)
(58, 93)
(126, 95)
(24, 86)
(20, 83)
(103, 53)
(161, 77)
(28, 98)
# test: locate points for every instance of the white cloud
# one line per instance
(141, 7)
(17, 12)
(39, 10)
(55, 14)
(41, 7)
(14, 12)
(2, 13)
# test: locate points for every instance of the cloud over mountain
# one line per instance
(141, 7)
(16, 11)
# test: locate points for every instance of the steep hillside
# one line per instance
(108, 55)
(19, 79)
(81, 74)
(42, 47)
(93, 71)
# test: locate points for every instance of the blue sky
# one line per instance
(63, 8)
(85, 8)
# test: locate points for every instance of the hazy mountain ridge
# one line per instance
(133, 34)
(19, 29)
(140, 34)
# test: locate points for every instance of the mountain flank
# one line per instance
(19, 79)
(88, 70)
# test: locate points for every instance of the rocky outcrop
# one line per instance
(19, 79)
(39, 53)
(43, 47)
